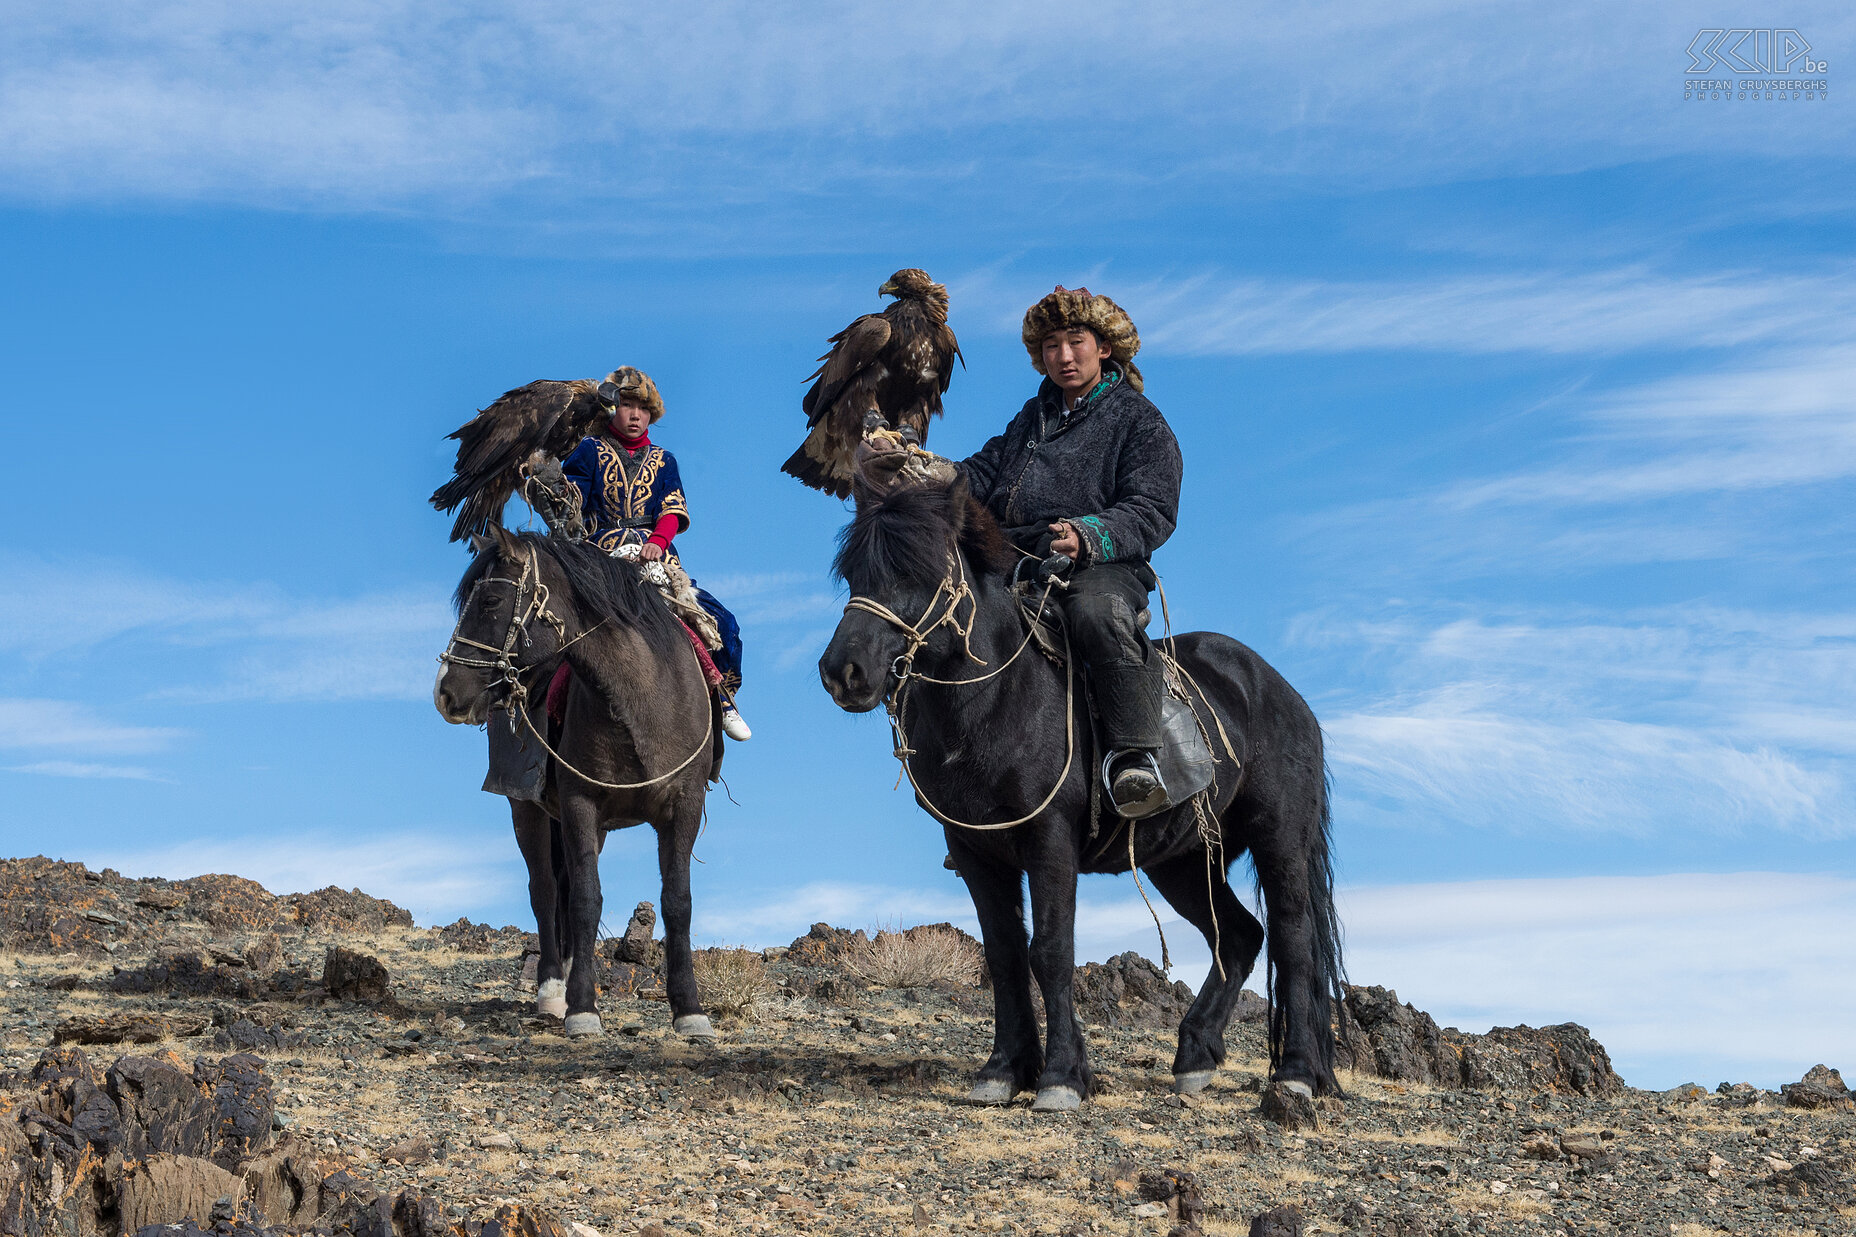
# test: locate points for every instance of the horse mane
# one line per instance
(905, 535)
(604, 589)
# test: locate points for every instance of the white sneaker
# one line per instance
(734, 725)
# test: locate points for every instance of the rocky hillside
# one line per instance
(315, 1063)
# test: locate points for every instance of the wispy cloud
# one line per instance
(1673, 719)
(1761, 423)
(1599, 313)
(80, 769)
(364, 106)
(37, 724)
(244, 641)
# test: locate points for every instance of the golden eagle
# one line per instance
(896, 363)
(546, 416)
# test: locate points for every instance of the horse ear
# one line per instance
(505, 540)
(478, 543)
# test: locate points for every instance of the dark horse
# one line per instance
(991, 751)
(638, 742)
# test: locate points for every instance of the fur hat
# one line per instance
(634, 383)
(1066, 307)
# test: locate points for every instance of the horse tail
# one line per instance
(1330, 978)
(1327, 980)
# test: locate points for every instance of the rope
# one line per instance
(1166, 961)
(708, 733)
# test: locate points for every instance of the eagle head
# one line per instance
(912, 281)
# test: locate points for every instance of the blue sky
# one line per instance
(1515, 392)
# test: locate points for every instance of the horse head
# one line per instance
(505, 628)
(915, 561)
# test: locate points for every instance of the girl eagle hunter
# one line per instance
(632, 495)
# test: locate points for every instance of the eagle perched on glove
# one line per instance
(546, 417)
(896, 364)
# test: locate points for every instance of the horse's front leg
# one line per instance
(675, 841)
(580, 838)
(998, 900)
(1066, 1080)
(535, 839)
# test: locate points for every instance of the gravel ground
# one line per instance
(840, 1112)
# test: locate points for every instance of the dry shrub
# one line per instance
(733, 982)
(916, 957)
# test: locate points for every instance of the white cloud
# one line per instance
(30, 724)
(369, 105)
(436, 874)
(844, 905)
(1590, 313)
(1682, 977)
(1769, 422)
(80, 769)
(260, 642)
(1665, 721)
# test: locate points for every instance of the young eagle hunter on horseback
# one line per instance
(944, 563)
(632, 500)
(1085, 480)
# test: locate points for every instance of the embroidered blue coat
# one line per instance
(623, 495)
(622, 491)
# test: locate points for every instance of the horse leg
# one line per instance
(580, 837)
(674, 845)
(1017, 1057)
(1202, 894)
(534, 839)
(563, 904)
(1066, 1080)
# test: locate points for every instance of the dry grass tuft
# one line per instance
(916, 957)
(733, 982)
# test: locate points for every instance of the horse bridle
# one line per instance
(956, 588)
(524, 612)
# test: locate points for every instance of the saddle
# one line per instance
(1184, 758)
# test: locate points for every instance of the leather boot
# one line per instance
(1128, 702)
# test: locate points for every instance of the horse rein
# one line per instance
(956, 588)
(520, 618)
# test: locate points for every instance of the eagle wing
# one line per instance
(546, 415)
(844, 387)
(854, 350)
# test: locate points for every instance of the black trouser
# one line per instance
(1102, 608)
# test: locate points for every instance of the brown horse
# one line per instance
(638, 743)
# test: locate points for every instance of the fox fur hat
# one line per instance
(632, 383)
(1072, 307)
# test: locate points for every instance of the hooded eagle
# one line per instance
(896, 363)
(548, 416)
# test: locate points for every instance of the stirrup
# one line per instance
(1150, 801)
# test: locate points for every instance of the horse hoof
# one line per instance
(991, 1091)
(583, 1026)
(1300, 1088)
(1192, 1081)
(1057, 1099)
(551, 1006)
(694, 1026)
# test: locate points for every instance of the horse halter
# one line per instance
(523, 613)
